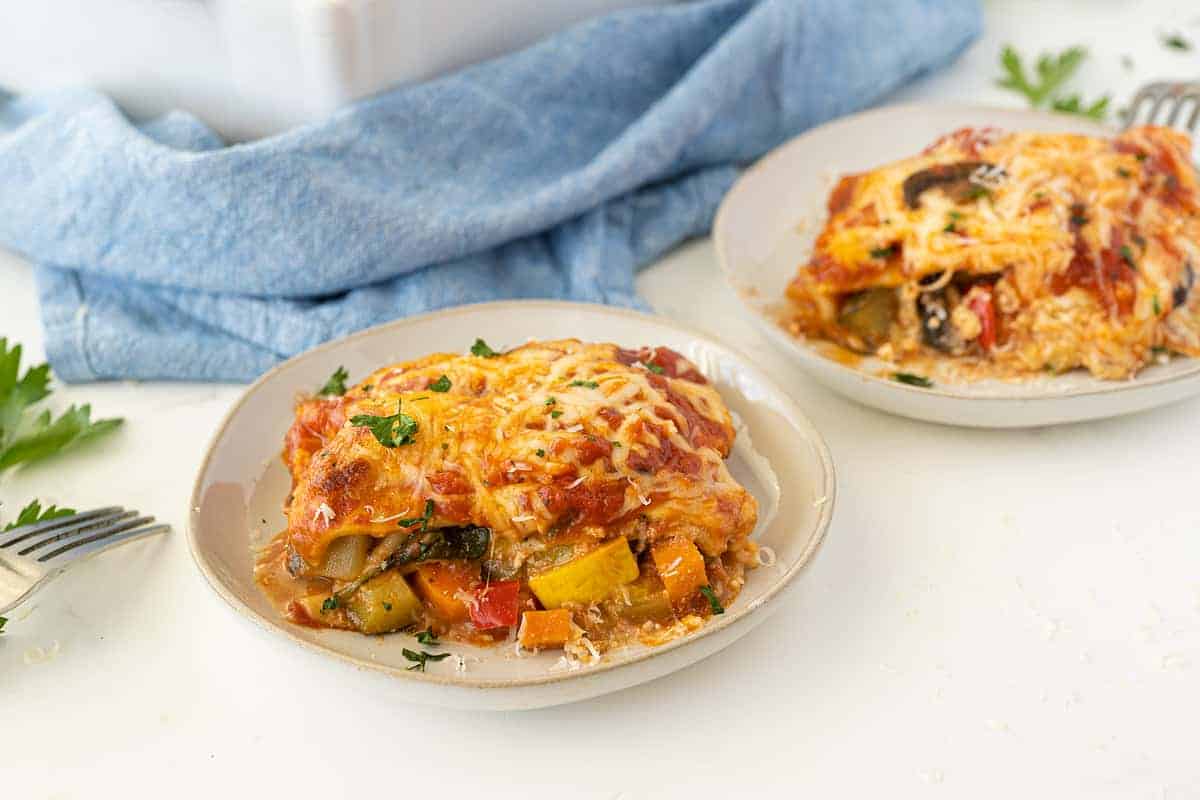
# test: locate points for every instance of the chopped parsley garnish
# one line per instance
(1176, 41)
(977, 192)
(655, 368)
(540, 452)
(713, 602)
(391, 431)
(387, 606)
(1141, 156)
(615, 443)
(336, 383)
(586, 384)
(1159, 350)
(909, 379)
(481, 349)
(555, 414)
(3, 621)
(550, 401)
(35, 513)
(24, 438)
(885, 252)
(1050, 75)
(422, 520)
(1124, 173)
(1127, 256)
(330, 604)
(442, 384)
(1156, 306)
(428, 637)
(420, 658)
(1079, 220)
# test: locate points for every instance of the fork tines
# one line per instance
(66, 538)
(1164, 103)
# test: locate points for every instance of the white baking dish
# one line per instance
(254, 67)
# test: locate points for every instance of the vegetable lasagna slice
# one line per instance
(572, 494)
(1006, 254)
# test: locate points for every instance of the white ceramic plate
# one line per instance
(239, 491)
(766, 226)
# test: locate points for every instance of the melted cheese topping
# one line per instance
(1088, 248)
(553, 439)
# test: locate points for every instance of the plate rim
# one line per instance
(805, 350)
(711, 627)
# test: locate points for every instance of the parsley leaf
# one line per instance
(912, 380)
(3, 620)
(1051, 73)
(35, 513)
(481, 349)
(442, 384)
(391, 431)
(420, 658)
(428, 637)
(1072, 104)
(23, 439)
(655, 368)
(1127, 256)
(555, 414)
(408, 522)
(550, 401)
(884, 252)
(336, 383)
(540, 453)
(713, 602)
(1157, 307)
(586, 384)
(330, 604)
(1176, 41)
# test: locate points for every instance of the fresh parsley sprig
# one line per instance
(713, 602)
(24, 438)
(391, 431)
(910, 379)
(420, 658)
(35, 513)
(481, 349)
(422, 520)
(336, 383)
(442, 384)
(1050, 74)
(428, 638)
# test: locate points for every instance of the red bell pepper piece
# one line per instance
(979, 300)
(496, 605)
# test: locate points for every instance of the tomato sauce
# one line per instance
(1106, 275)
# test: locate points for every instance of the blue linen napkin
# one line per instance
(553, 172)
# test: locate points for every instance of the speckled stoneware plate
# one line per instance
(778, 456)
(765, 229)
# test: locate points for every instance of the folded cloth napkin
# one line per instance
(552, 172)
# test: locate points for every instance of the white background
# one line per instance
(994, 614)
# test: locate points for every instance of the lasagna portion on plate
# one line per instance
(997, 254)
(562, 493)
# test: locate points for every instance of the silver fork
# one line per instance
(1163, 103)
(33, 555)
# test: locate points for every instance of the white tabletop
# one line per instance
(993, 613)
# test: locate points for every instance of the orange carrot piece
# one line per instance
(445, 586)
(681, 568)
(545, 628)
